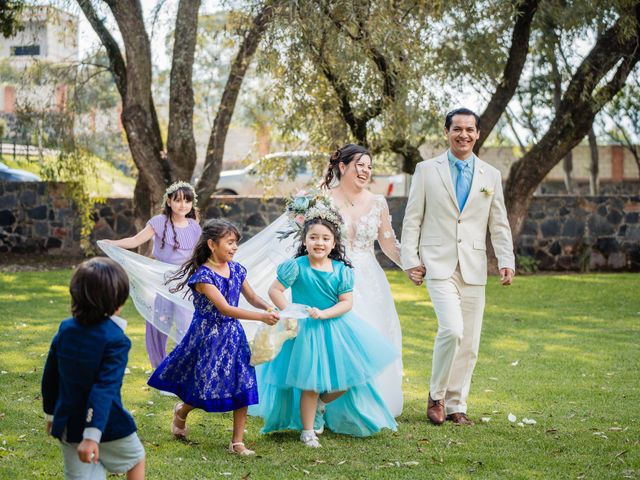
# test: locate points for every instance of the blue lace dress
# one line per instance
(336, 354)
(209, 368)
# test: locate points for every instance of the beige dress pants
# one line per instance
(459, 308)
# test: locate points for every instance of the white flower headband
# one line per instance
(174, 187)
(306, 206)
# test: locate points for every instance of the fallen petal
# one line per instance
(512, 418)
(529, 421)
(485, 419)
(513, 364)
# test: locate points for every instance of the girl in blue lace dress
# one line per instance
(209, 368)
(326, 373)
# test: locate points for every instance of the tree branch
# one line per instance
(116, 62)
(512, 71)
(181, 143)
(215, 149)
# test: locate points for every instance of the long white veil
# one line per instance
(260, 255)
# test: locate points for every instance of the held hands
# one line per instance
(270, 317)
(506, 276)
(88, 451)
(416, 274)
(315, 313)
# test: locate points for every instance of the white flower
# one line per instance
(487, 191)
(512, 418)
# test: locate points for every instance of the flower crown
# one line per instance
(174, 187)
(306, 206)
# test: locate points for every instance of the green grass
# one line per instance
(575, 339)
(108, 181)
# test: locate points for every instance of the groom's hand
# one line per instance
(416, 274)
(506, 276)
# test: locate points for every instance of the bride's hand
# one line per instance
(416, 274)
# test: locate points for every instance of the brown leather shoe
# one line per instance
(460, 418)
(435, 411)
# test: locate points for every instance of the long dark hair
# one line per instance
(345, 154)
(212, 230)
(99, 287)
(182, 192)
(337, 253)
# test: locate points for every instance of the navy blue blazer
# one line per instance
(82, 379)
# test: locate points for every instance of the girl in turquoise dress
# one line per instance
(326, 373)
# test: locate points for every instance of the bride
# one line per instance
(367, 219)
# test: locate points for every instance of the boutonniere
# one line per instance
(487, 191)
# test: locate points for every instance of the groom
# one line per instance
(454, 197)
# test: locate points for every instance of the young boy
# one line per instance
(83, 375)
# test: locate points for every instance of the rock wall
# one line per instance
(561, 232)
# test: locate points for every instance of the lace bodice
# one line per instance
(363, 230)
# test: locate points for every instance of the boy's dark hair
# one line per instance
(214, 230)
(338, 252)
(461, 111)
(99, 287)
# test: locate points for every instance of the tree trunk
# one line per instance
(518, 51)
(181, 143)
(594, 188)
(138, 112)
(567, 169)
(617, 48)
(215, 149)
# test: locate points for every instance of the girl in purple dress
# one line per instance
(209, 368)
(175, 232)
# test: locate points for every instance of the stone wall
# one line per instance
(561, 232)
(36, 217)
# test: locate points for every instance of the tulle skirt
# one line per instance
(339, 354)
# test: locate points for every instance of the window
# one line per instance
(25, 50)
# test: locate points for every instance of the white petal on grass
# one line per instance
(520, 424)
(512, 418)
(485, 419)
(529, 421)
(127, 371)
(513, 364)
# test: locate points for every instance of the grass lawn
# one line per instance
(562, 350)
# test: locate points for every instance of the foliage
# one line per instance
(10, 11)
(349, 71)
(621, 118)
(75, 167)
(527, 264)
(575, 355)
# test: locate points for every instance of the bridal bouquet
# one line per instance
(305, 205)
(268, 340)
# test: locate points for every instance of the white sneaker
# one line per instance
(309, 438)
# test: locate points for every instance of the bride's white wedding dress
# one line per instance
(261, 255)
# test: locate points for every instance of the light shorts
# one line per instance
(117, 456)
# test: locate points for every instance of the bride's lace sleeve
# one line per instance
(386, 236)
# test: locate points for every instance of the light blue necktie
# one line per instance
(462, 184)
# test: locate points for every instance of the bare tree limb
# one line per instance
(518, 51)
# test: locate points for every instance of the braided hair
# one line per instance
(345, 154)
(212, 230)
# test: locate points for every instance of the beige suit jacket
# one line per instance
(438, 235)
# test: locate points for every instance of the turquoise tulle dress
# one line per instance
(341, 353)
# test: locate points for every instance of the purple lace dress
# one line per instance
(210, 367)
(175, 251)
